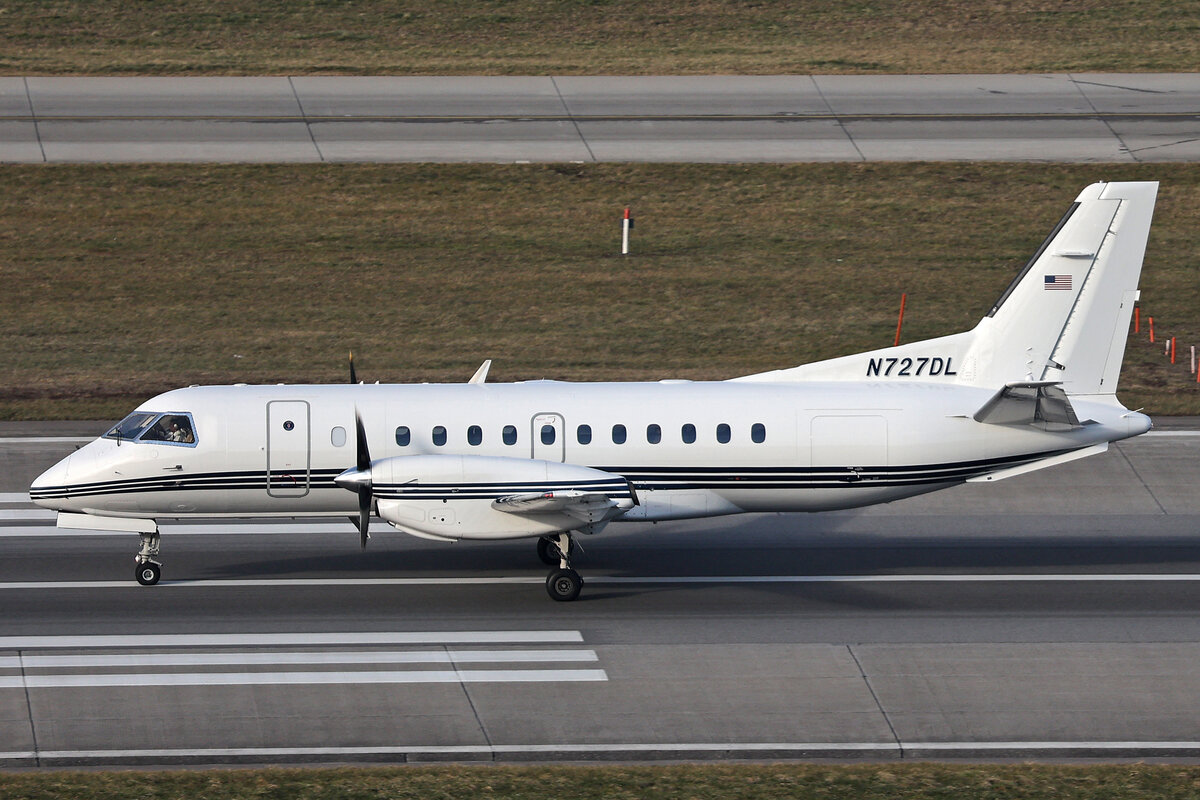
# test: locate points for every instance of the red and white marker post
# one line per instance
(626, 224)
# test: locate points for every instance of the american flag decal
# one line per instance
(1057, 282)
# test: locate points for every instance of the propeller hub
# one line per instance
(354, 479)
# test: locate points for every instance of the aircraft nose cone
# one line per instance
(49, 489)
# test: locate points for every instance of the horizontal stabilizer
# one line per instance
(1043, 404)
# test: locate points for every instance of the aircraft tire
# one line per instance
(148, 573)
(564, 585)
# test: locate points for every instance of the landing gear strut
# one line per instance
(149, 569)
(562, 584)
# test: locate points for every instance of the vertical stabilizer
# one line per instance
(1063, 320)
(1066, 316)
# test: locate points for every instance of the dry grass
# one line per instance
(123, 281)
(572, 37)
(680, 782)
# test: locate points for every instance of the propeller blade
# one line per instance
(364, 515)
(360, 444)
(353, 377)
(359, 479)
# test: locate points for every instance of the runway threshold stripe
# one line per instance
(298, 678)
(185, 659)
(665, 749)
(284, 583)
(148, 640)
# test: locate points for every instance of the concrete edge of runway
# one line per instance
(610, 753)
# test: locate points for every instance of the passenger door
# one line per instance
(288, 448)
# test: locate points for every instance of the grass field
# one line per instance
(614, 37)
(120, 282)
(681, 782)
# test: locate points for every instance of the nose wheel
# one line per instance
(148, 573)
(149, 568)
(563, 583)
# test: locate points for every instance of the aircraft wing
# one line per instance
(586, 506)
(1040, 403)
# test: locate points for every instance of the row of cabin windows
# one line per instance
(583, 434)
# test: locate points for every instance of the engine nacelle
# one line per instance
(487, 497)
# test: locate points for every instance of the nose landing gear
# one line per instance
(149, 569)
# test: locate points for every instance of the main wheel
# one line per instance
(564, 584)
(148, 573)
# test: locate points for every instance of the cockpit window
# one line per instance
(175, 428)
(131, 427)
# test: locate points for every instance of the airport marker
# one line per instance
(1172, 349)
(899, 322)
(1151, 321)
(626, 224)
(1137, 319)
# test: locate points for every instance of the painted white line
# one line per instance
(14, 497)
(186, 659)
(173, 530)
(28, 513)
(474, 751)
(288, 639)
(5, 440)
(1171, 433)
(285, 583)
(338, 677)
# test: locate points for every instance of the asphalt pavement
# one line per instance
(1050, 615)
(1126, 118)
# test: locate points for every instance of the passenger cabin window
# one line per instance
(170, 429)
(653, 434)
(510, 434)
(758, 433)
(584, 434)
(403, 436)
(337, 436)
(439, 435)
(474, 435)
(723, 433)
(689, 433)
(547, 434)
(619, 434)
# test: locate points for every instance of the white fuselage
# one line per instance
(687, 450)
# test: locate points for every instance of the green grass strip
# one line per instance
(578, 37)
(123, 281)
(682, 782)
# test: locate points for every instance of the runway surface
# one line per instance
(1050, 117)
(1050, 615)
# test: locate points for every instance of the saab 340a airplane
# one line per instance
(1031, 386)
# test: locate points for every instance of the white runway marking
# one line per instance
(167, 529)
(284, 583)
(333, 677)
(289, 639)
(185, 659)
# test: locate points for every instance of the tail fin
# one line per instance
(1064, 319)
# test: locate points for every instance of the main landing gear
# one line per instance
(563, 583)
(149, 569)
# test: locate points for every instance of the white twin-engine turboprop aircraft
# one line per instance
(1032, 385)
